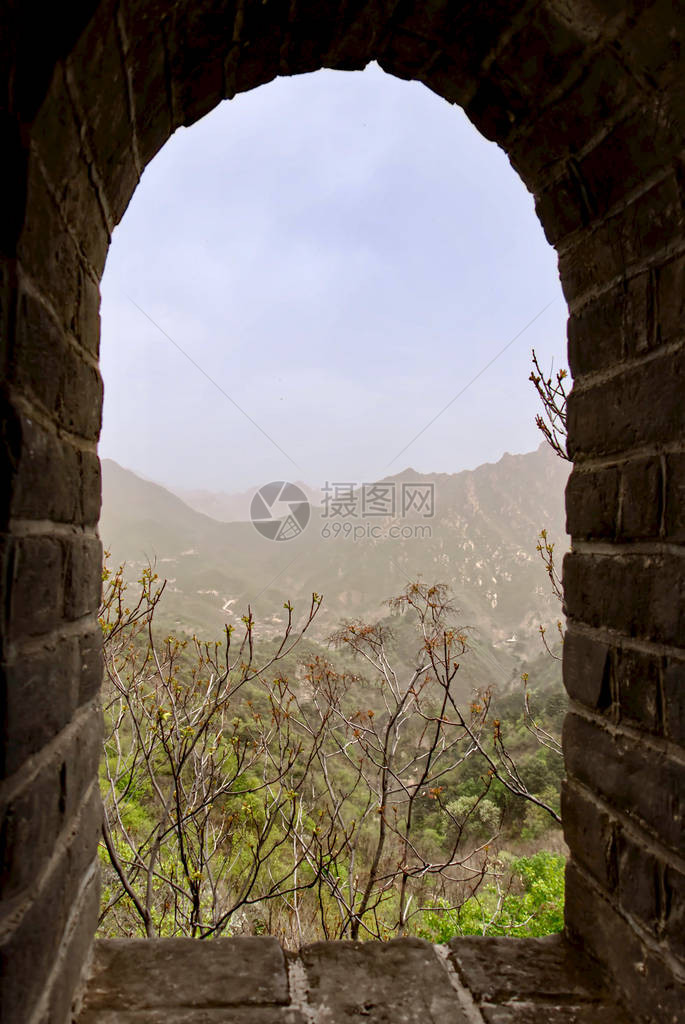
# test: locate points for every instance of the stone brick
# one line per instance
(81, 758)
(376, 981)
(58, 139)
(656, 54)
(670, 291)
(562, 209)
(48, 253)
(197, 37)
(90, 675)
(589, 832)
(638, 688)
(674, 511)
(146, 66)
(639, 782)
(85, 321)
(553, 1013)
(91, 488)
(34, 816)
(640, 407)
(38, 353)
(208, 1015)
(254, 57)
(587, 670)
(37, 571)
(641, 499)
(625, 147)
(592, 100)
(31, 947)
(39, 695)
(623, 243)
(74, 953)
(83, 576)
(499, 969)
(47, 479)
(592, 503)
(80, 396)
(30, 823)
(674, 910)
(595, 589)
(97, 69)
(147, 974)
(639, 882)
(673, 687)
(647, 987)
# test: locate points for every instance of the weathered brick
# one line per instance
(641, 499)
(39, 695)
(90, 675)
(134, 974)
(34, 816)
(650, 990)
(674, 511)
(80, 396)
(674, 910)
(642, 406)
(673, 685)
(96, 67)
(595, 589)
(58, 139)
(622, 244)
(355, 977)
(590, 833)
(197, 45)
(48, 253)
(47, 478)
(91, 488)
(587, 670)
(497, 969)
(30, 948)
(600, 90)
(639, 882)
(625, 147)
(85, 322)
(562, 209)
(37, 573)
(670, 302)
(83, 579)
(638, 688)
(38, 352)
(75, 952)
(638, 781)
(592, 503)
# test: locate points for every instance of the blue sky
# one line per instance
(340, 253)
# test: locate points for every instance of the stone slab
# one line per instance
(146, 974)
(397, 982)
(497, 970)
(224, 1015)
(549, 1013)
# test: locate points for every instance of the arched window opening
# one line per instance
(318, 315)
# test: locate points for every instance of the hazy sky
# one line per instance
(341, 253)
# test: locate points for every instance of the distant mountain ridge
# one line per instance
(482, 543)
(233, 508)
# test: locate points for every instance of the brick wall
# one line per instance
(587, 99)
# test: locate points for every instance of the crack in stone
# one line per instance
(466, 1001)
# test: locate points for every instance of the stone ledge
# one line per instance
(249, 980)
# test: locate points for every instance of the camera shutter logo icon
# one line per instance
(280, 510)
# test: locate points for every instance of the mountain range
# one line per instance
(480, 540)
